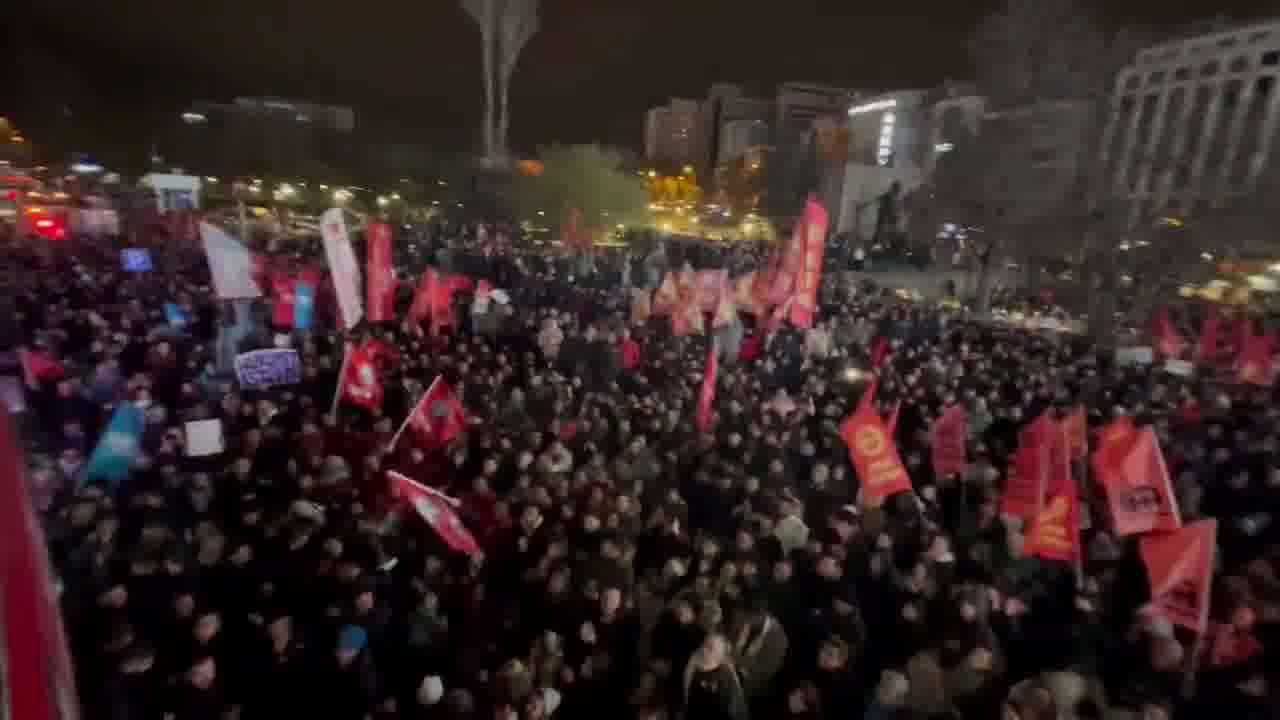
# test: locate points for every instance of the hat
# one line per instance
(352, 638)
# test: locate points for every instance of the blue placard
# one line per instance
(267, 368)
(136, 260)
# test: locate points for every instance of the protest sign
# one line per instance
(136, 260)
(266, 368)
(204, 438)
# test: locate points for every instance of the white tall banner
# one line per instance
(230, 264)
(342, 264)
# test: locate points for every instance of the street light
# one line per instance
(382, 201)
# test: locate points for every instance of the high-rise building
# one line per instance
(888, 147)
(1192, 121)
(670, 134)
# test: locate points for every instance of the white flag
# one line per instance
(342, 263)
(230, 263)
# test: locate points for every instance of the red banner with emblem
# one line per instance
(1180, 568)
(809, 275)
(874, 455)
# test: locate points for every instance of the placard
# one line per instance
(204, 438)
(1181, 368)
(267, 368)
(136, 260)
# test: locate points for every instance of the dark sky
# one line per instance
(411, 68)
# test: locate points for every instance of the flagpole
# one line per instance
(396, 438)
(342, 378)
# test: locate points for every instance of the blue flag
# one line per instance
(119, 447)
(304, 305)
(177, 317)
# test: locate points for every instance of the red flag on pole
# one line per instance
(948, 439)
(1055, 532)
(1028, 473)
(1207, 352)
(706, 400)
(1255, 361)
(438, 510)
(38, 368)
(1132, 472)
(879, 351)
(437, 419)
(361, 384)
(875, 456)
(809, 275)
(1180, 568)
(381, 273)
(1166, 338)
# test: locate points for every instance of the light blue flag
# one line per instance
(304, 305)
(119, 448)
(177, 317)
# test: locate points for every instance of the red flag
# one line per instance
(1028, 474)
(438, 510)
(1168, 342)
(38, 368)
(726, 310)
(879, 351)
(948, 440)
(433, 300)
(709, 287)
(1133, 473)
(630, 354)
(867, 403)
(1208, 350)
(809, 275)
(381, 273)
(483, 289)
(667, 297)
(361, 384)
(421, 308)
(706, 400)
(875, 456)
(438, 418)
(1255, 361)
(1055, 532)
(1180, 568)
(284, 290)
(1076, 427)
(893, 418)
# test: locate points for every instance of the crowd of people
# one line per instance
(631, 565)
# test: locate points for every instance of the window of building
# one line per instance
(1250, 135)
(1138, 159)
(1181, 74)
(1271, 57)
(1195, 131)
(1240, 64)
(1210, 68)
(1155, 78)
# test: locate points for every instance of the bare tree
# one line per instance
(505, 28)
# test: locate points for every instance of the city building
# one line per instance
(729, 123)
(955, 116)
(890, 143)
(1192, 121)
(670, 135)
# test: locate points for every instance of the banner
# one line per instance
(342, 266)
(119, 448)
(381, 273)
(809, 275)
(1255, 361)
(230, 264)
(268, 368)
(874, 456)
(948, 441)
(1180, 568)
(1133, 474)
(1028, 474)
(707, 398)
(437, 509)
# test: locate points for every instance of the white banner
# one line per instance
(230, 263)
(342, 264)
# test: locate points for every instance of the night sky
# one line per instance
(411, 69)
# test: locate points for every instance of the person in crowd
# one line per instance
(627, 562)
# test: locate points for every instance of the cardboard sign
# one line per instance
(204, 438)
